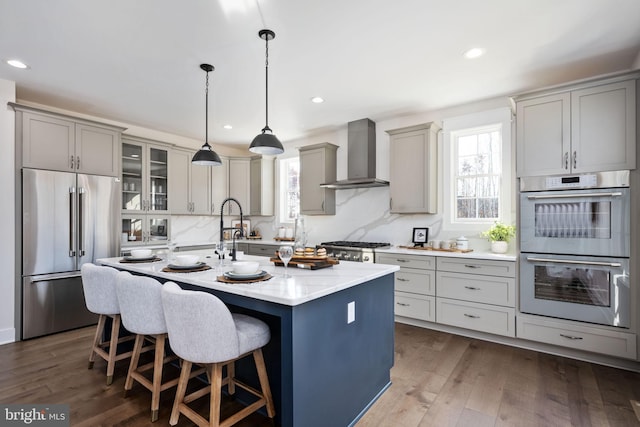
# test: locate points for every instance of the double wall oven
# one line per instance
(575, 247)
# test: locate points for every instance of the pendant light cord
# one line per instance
(206, 111)
(266, 84)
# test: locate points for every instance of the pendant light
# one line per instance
(205, 155)
(266, 142)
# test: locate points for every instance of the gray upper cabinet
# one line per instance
(317, 166)
(589, 127)
(262, 186)
(239, 184)
(145, 176)
(413, 160)
(189, 184)
(64, 144)
(219, 185)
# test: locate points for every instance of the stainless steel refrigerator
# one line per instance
(68, 219)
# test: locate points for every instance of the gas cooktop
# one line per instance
(359, 245)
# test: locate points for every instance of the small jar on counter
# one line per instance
(462, 243)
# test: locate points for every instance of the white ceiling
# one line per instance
(138, 61)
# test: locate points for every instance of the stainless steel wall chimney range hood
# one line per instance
(361, 158)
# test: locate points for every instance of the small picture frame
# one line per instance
(246, 225)
(420, 236)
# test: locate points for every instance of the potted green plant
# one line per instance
(499, 235)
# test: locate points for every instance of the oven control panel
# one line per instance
(577, 181)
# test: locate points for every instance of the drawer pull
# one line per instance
(472, 316)
(472, 288)
(400, 279)
(403, 304)
(570, 337)
(471, 266)
(402, 260)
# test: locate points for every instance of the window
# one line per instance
(289, 200)
(477, 160)
(477, 173)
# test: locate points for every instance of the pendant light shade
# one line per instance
(205, 155)
(266, 142)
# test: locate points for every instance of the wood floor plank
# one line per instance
(438, 379)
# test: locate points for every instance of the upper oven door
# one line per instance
(579, 222)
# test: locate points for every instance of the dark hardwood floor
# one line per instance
(438, 380)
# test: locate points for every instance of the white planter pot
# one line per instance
(499, 247)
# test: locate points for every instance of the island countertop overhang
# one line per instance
(302, 287)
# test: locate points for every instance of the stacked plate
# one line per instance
(186, 266)
(244, 276)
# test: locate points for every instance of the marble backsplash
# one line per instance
(361, 215)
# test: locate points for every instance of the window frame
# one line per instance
(282, 189)
(499, 118)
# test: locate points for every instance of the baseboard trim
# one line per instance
(7, 336)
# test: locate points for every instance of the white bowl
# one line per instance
(141, 253)
(245, 267)
(186, 259)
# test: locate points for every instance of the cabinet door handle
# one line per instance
(400, 279)
(72, 162)
(78, 162)
(570, 337)
(472, 266)
(401, 304)
(472, 288)
(471, 316)
(575, 159)
(566, 160)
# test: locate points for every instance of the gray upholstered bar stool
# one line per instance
(99, 285)
(142, 314)
(202, 330)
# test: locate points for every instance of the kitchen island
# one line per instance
(332, 333)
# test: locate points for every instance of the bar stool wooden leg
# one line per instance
(157, 376)
(113, 347)
(264, 382)
(97, 339)
(182, 388)
(231, 376)
(135, 358)
(215, 397)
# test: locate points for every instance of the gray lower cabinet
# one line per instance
(317, 166)
(477, 294)
(415, 285)
(260, 249)
(63, 143)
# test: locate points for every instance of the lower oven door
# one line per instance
(587, 289)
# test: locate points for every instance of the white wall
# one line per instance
(7, 214)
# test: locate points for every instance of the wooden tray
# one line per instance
(253, 237)
(307, 263)
(420, 248)
(284, 239)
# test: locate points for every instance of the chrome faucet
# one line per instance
(239, 232)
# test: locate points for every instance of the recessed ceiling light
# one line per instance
(317, 100)
(474, 53)
(17, 63)
(227, 127)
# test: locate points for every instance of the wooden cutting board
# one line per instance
(310, 263)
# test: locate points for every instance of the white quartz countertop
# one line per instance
(469, 255)
(303, 285)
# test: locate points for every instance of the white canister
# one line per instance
(281, 232)
(462, 243)
(289, 233)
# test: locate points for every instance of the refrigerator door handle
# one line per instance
(81, 193)
(72, 220)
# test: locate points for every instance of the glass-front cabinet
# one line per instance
(144, 229)
(144, 176)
